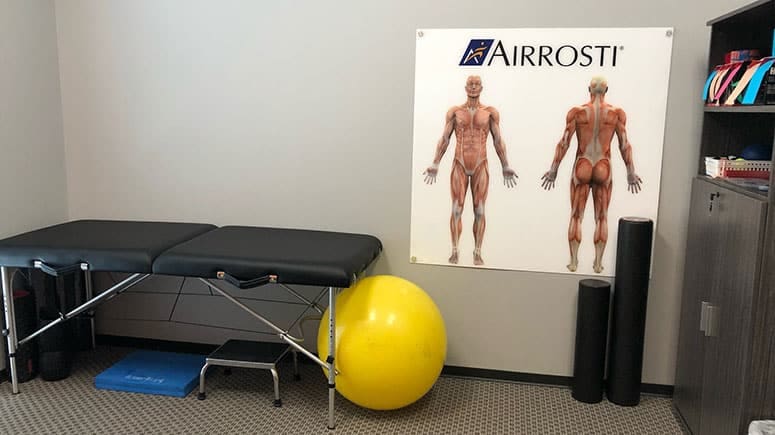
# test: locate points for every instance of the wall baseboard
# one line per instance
(503, 375)
(153, 344)
(533, 378)
(466, 372)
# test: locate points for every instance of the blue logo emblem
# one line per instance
(476, 52)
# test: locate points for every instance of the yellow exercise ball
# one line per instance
(390, 342)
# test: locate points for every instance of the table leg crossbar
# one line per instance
(294, 341)
(10, 317)
(13, 343)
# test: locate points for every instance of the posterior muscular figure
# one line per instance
(594, 124)
(471, 122)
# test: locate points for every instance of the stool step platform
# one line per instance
(253, 354)
(248, 354)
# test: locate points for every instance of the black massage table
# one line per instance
(245, 257)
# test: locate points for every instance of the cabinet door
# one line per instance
(740, 228)
(702, 258)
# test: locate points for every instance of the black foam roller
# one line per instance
(591, 338)
(628, 320)
(82, 325)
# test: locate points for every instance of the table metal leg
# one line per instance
(276, 380)
(330, 359)
(10, 326)
(202, 373)
(89, 295)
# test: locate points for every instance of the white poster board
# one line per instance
(537, 85)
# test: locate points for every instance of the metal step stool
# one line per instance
(250, 354)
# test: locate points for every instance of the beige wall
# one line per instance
(32, 174)
(299, 114)
(32, 165)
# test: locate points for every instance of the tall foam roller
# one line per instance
(591, 339)
(628, 324)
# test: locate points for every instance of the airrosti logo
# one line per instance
(476, 52)
(565, 55)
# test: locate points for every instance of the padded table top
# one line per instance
(296, 256)
(106, 245)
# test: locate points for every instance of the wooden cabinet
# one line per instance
(724, 253)
(724, 249)
(728, 317)
(725, 369)
(701, 257)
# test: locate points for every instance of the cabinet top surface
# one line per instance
(748, 11)
(728, 184)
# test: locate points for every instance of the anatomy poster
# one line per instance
(530, 144)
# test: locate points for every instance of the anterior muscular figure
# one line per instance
(594, 124)
(471, 122)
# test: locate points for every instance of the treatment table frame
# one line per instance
(215, 284)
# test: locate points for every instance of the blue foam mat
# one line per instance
(152, 372)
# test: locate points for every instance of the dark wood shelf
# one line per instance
(741, 109)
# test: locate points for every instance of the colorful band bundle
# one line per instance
(726, 83)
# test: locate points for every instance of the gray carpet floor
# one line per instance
(241, 403)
